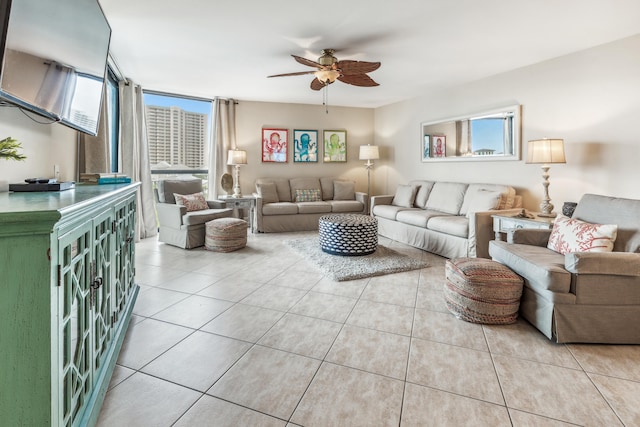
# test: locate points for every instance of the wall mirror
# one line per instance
(487, 136)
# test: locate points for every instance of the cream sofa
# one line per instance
(587, 297)
(281, 203)
(447, 218)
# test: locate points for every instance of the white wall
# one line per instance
(43, 144)
(251, 117)
(591, 99)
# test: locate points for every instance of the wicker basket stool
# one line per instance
(225, 234)
(480, 290)
(348, 234)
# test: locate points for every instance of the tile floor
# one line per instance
(258, 338)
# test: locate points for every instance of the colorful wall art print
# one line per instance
(439, 146)
(335, 145)
(426, 147)
(275, 145)
(305, 145)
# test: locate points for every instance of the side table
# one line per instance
(507, 223)
(244, 202)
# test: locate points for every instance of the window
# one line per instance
(178, 134)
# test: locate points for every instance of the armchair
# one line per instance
(177, 226)
(589, 297)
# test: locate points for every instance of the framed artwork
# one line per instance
(335, 145)
(275, 145)
(426, 147)
(305, 145)
(438, 146)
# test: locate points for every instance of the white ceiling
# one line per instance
(227, 48)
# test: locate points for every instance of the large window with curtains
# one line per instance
(178, 132)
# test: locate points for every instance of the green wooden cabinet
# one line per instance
(67, 264)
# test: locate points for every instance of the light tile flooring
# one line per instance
(257, 337)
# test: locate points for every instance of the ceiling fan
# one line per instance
(329, 69)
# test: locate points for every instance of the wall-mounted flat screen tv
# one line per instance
(54, 59)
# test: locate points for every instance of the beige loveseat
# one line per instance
(591, 297)
(447, 218)
(296, 204)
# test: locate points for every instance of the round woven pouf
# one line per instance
(348, 234)
(225, 234)
(480, 290)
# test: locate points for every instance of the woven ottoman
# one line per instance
(480, 290)
(225, 234)
(348, 234)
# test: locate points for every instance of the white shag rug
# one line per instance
(341, 268)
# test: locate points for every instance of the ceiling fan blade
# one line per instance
(300, 73)
(358, 80)
(356, 67)
(316, 84)
(307, 62)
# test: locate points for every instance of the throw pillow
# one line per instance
(484, 200)
(193, 202)
(267, 191)
(311, 195)
(405, 195)
(344, 190)
(572, 235)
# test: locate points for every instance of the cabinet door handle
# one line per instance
(96, 283)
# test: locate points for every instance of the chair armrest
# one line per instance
(480, 233)
(362, 198)
(170, 215)
(603, 263)
(380, 200)
(258, 212)
(530, 236)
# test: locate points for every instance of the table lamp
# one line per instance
(369, 152)
(546, 151)
(236, 158)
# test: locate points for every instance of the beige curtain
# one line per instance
(134, 149)
(223, 138)
(94, 154)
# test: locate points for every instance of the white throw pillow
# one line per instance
(405, 195)
(572, 235)
(344, 190)
(483, 200)
(193, 202)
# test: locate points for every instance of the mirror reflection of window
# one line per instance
(491, 136)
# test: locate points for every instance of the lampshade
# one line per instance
(369, 152)
(546, 151)
(237, 157)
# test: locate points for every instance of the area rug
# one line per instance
(341, 268)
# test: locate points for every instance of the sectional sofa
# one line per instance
(296, 204)
(447, 218)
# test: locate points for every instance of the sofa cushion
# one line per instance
(480, 201)
(447, 197)
(326, 185)
(572, 235)
(267, 191)
(342, 206)
(282, 187)
(422, 195)
(405, 196)
(455, 225)
(280, 208)
(344, 190)
(203, 216)
(303, 184)
(613, 210)
(416, 216)
(476, 190)
(542, 267)
(193, 202)
(314, 207)
(387, 211)
(312, 195)
(167, 187)
(509, 199)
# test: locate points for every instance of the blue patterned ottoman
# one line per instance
(348, 234)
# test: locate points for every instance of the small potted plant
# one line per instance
(9, 149)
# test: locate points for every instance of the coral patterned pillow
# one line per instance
(193, 202)
(572, 235)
